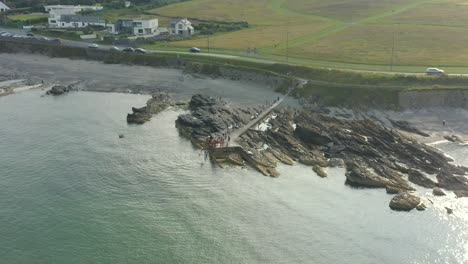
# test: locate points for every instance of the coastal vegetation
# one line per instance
(330, 87)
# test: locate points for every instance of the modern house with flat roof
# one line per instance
(78, 21)
(181, 26)
(3, 7)
(57, 11)
(137, 27)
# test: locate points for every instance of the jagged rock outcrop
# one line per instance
(393, 190)
(454, 138)
(156, 104)
(60, 89)
(374, 156)
(461, 193)
(438, 191)
(404, 201)
(418, 178)
(319, 171)
(210, 116)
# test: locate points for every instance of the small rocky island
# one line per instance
(60, 89)
(373, 155)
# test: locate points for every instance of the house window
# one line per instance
(173, 25)
(63, 24)
(140, 31)
(180, 26)
(53, 21)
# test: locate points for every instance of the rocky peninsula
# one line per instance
(373, 155)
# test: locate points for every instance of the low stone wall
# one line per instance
(417, 99)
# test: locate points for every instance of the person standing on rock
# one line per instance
(222, 140)
(443, 122)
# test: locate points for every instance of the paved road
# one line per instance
(84, 44)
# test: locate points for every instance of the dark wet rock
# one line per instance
(453, 138)
(421, 207)
(139, 116)
(361, 176)
(407, 127)
(336, 162)
(210, 116)
(312, 135)
(121, 136)
(404, 201)
(319, 171)
(393, 190)
(60, 89)
(449, 210)
(461, 193)
(200, 100)
(438, 191)
(451, 180)
(418, 178)
(155, 105)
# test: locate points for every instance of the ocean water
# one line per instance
(71, 191)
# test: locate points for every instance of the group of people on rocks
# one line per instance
(219, 141)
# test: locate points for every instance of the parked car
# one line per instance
(44, 38)
(139, 50)
(434, 71)
(93, 46)
(6, 34)
(30, 34)
(57, 40)
(195, 50)
(114, 48)
(128, 49)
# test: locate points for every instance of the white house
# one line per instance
(78, 21)
(181, 26)
(57, 11)
(3, 7)
(138, 27)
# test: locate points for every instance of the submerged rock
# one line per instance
(404, 202)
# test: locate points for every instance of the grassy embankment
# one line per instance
(28, 17)
(361, 34)
(332, 87)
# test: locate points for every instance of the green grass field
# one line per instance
(26, 17)
(356, 34)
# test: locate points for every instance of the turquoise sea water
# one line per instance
(71, 191)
